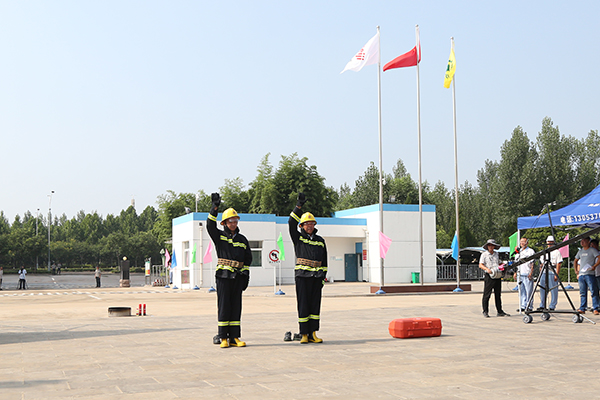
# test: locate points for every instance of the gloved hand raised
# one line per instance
(216, 200)
(301, 200)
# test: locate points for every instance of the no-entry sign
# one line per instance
(274, 255)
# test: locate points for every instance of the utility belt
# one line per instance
(309, 263)
(230, 263)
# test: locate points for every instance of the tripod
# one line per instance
(546, 269)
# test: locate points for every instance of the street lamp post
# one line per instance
(37, 217)
(49, 223)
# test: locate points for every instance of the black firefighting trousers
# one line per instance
(308, 295)
(229, 303)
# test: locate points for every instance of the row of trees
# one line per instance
(528, 175)
(86, 239)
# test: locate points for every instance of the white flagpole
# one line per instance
(458, 289)
(420, 176)
(380, 291)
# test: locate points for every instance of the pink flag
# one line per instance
(564, 251)
(384, 244)
(167, 257)
(208, 255)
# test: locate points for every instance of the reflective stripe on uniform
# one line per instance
(312, 242)
(229, 323)
(312, 316)
(311, 269)
(297, 218)
(232, 269)
(227, 267)
(303, 319)
(230, 241)
(212, 217)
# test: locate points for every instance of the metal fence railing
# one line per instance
(468, 272)
(159, 275)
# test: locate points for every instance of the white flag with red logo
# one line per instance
(368, 55)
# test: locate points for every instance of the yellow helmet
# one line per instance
(229, 213)
(306, 217)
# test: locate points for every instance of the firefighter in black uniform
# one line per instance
(232, 274)
(310, 271)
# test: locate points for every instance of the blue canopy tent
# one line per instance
(583, 212)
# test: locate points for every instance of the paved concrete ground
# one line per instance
(58, 344)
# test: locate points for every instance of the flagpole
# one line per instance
(212, 287)
(458, 289)
(380, 291)
(275, 279)
(420, 176)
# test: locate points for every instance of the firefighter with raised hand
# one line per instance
(310, 271)
(232, 274)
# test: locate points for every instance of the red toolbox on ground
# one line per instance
(415, 327)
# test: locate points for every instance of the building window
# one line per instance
(256, 248)
(186, 254)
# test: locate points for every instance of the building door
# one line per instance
(351, 267)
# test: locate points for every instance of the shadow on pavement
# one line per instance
(23, 384)
(68, 334)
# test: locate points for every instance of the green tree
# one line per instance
(128, 221)
(445, 214)
(366, 187)
(147, 219)
(171, 205)
(587, 169)
(92, 228)
(555, 176)
(515, 193)
(234, 195)
(278, 194)
(262, 184)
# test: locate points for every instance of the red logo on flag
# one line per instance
(361, 55)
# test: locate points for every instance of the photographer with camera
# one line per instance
(524, 275)
(490, 263)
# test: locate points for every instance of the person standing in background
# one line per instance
(97, 275)
(585, 265)
(524, 275)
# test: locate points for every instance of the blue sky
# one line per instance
(105, 101)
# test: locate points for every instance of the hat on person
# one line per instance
(491, 241)
(550, 239)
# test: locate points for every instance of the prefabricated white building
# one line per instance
(352, 238)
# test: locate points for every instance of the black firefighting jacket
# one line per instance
(308, 247)
(231, 246)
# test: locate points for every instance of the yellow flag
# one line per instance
(450, 70)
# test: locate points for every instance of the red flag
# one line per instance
(407, 59)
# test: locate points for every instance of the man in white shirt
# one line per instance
(586, 261)
(489, 262)
(554, 258)
(22, 273)
(594, 243)
(525, 274)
